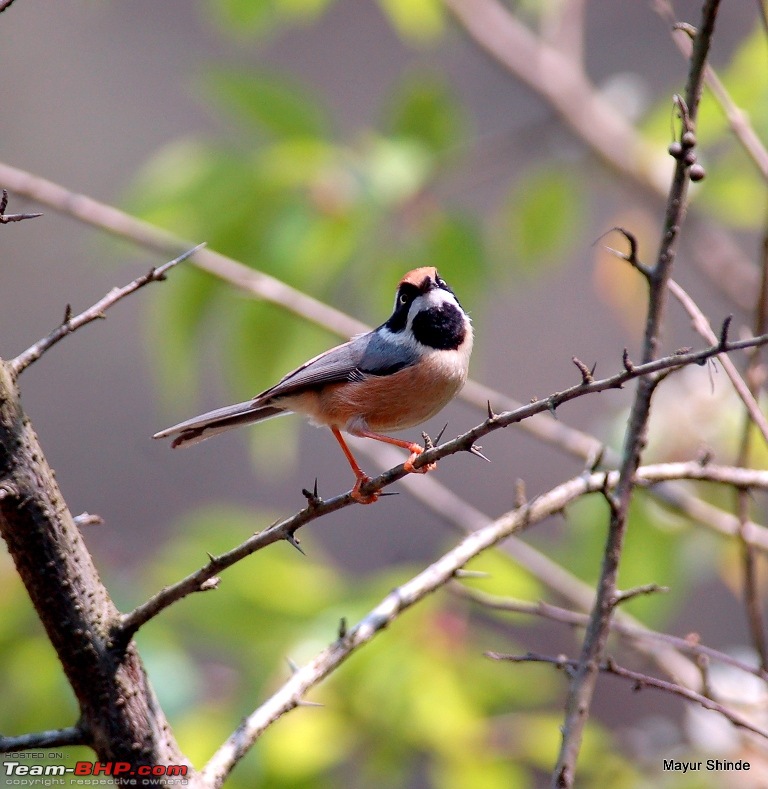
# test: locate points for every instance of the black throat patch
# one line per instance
(441, 327)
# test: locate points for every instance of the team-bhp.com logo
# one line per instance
(90, 773)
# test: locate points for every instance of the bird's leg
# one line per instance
(360, 476)
(414, 449)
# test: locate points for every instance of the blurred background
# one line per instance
(336, 144)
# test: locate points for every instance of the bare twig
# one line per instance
(754, 376)
(641, 681)
(629, 631)
(71, 324)
(54, 738)
(737, 119)
(703, 327)
(584, 679)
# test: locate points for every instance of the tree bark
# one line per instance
(120, 716)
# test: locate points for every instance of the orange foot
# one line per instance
(415, 451)
(364, 498)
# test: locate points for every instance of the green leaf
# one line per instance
(542, 216)
(248, 18)
(420, 21)
(267, 102)
(425, 109)
(455, 246)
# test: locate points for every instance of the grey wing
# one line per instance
(366, 354)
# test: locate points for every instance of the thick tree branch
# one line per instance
(96, 312)
(584, 679)
(119, 713)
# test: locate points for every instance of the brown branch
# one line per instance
(640, 681)
(71, 324)
(582, 685)
(737, 119)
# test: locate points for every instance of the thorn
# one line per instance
(342, 628)
(211, 583)
(67, 314)
(595, 458)
(491, 412)
(86, 519)
(462, 573)
(475, 450)
(312, 496)
(586, 373)
(292, 665)
(440, 434)
(303, 703)
(627, 362)
(724, 332)
(211, 558)
(388, 493)
(623, 597)
(293, 540)
(706, 456)
(630, 258)
(4, 202)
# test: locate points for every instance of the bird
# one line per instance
(388, 379)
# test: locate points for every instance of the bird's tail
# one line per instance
(202, 427)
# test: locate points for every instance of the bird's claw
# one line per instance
(364, 498)
(416, 450)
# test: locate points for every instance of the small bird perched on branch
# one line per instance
(391, 378)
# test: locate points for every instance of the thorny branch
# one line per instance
(7, 218)
(112, 220)
(96, 312)
(582, 685)
(640, 681)
(441, 572)
(286, 529)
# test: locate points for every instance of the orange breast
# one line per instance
(389, 402)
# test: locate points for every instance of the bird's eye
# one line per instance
(402, 298)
